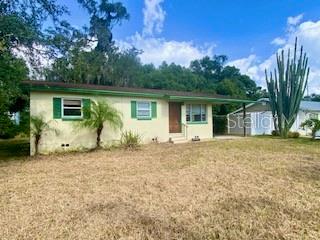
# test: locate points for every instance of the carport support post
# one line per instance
(244, 120)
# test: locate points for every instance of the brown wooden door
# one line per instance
(174, 117)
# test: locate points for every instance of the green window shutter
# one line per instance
(86, 103)
(56, 108)
(133, 109)
(154, 109)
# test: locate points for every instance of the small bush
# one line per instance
(8, 129)
(130, 140)
(293, 134)
(220, 124)
(275, 133)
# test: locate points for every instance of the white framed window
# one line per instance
(196, 113)
(72, 108)
(188, 110)
(143, 109)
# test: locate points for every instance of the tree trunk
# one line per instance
(36, 144)
(99, 130)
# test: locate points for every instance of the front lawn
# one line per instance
(253, 188)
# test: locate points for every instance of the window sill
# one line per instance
(72, 119)
(191, 123)
(144, 118)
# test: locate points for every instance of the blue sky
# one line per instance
(244, 30)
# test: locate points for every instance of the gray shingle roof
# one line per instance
(304, 105)
(310, 106)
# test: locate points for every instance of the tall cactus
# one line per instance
(286, 87)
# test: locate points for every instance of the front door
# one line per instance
(174, 117)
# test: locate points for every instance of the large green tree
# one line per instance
(171, 77)
(21, 26)
(104, 15)
(210, 68)
(90, 56)
(21, 31)
(12, 72)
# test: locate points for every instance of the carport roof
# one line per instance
(44, 86)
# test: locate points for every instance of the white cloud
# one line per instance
(294, 20)
(154, 17)
(308, 34)
(253, 67)
(244, 63)
(278, 41)
(157, 50)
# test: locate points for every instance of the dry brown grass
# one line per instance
(233, 189)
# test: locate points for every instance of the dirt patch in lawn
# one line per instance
(236, 189)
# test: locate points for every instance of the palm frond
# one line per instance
(101, 112)
(38, 125)
(313, 124)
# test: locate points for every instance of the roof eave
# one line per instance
(95, 92)
(210, 99)
(47, 88)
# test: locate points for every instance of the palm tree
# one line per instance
(99, 113)
(37, 127)
(313, 124)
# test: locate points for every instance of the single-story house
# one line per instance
(259, 118)
(156, 115)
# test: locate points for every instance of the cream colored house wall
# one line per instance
(41, 103)
(68, 133)
(204, 131)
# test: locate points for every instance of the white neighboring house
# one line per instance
(15, 117)
(259, 119)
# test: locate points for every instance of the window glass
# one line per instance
(72, 112)
(196, 112)
(143, 109)
(188, 113)
(203, 113)
(72, 108)
(72, 103)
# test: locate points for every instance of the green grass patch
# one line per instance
(300, 140)
(13, 149)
